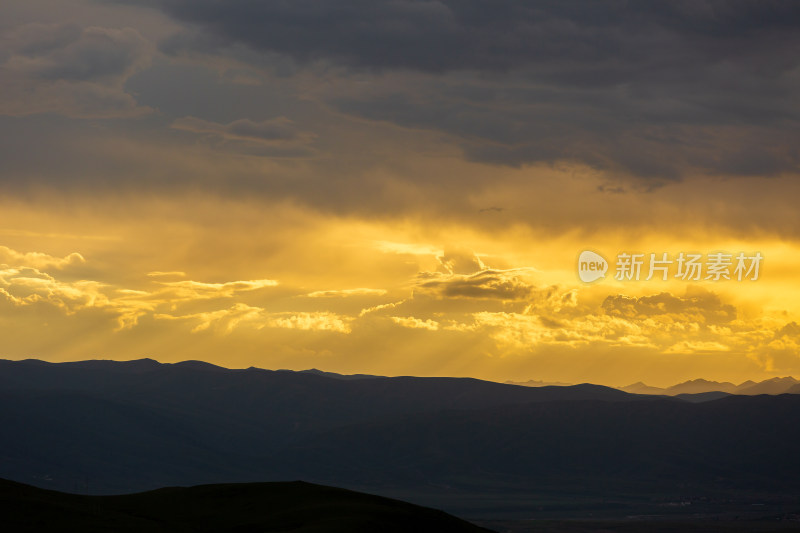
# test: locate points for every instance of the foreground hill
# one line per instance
(285, 507)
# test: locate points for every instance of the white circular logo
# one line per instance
(591, 266)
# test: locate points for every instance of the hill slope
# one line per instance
(285, 507)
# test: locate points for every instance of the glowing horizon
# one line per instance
(176, 189)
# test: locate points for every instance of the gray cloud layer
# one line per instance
(598, 42)
(70, 70)
(643, 88)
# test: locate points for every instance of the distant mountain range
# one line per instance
(704, 388)
(786, 385)
(459, 444)
(291, 507)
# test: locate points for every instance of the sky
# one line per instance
(403, 187)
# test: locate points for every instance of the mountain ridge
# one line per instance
(776, 385)
(98, 429)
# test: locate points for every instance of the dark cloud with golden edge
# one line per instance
(488, 283)
(462, 274)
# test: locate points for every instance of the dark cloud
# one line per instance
(69, 70)
(69, 53)
(581, 41)
(664, 132)
(34, 40)
(278, 137)
(647, 89)
(280, 129)
(487, 284)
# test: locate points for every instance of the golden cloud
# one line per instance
(415, 323)
(346, 292)
(38, 260)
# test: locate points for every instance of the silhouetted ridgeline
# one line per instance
(109, 427)
(285, 507)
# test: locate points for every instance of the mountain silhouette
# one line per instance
(137, 425)
(335, 375)
(697, 386)
(770, 386)
(698, 397)
(641, 388)
(785, 385)
(264, 507)
(106, 428)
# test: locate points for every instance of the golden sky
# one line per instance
(402, 188)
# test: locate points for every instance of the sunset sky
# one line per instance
(400, 187)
